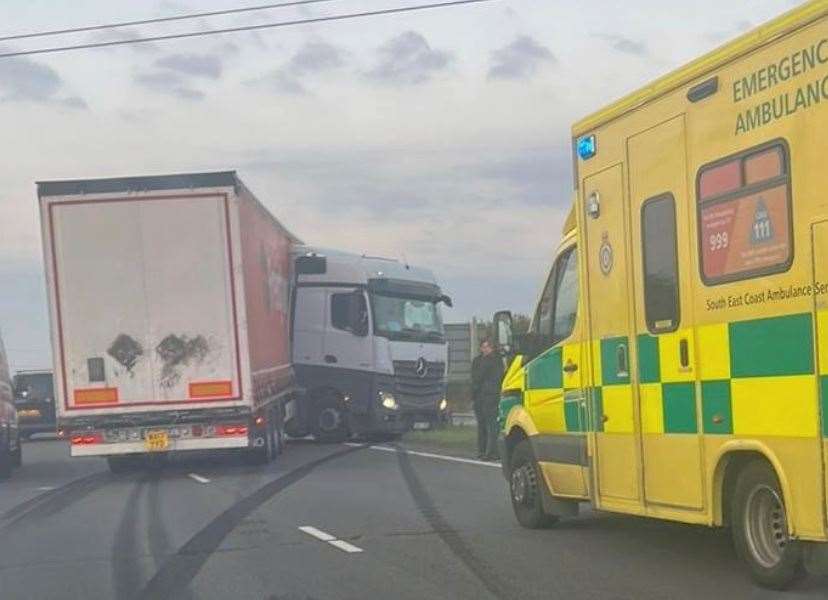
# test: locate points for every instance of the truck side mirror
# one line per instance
(503, 332)
(358, 314)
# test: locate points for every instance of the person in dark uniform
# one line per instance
(487, 376)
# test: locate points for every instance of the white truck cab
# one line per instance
(369, 348)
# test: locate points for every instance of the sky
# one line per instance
(439, 137)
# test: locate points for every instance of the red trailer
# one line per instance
(170, 304)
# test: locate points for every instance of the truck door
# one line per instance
(346, 348)
(820, 249)
(616, 445)
(665, 334)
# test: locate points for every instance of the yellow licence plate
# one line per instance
(157, 441)
(31, 413)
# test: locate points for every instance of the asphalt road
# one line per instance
(395, 525)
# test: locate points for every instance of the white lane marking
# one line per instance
(198, 478)
(457, 459)
(345, 546)
(317, 533)
(45, 488)
(329, 539)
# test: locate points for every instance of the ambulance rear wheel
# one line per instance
(525, 489)
(760, 528)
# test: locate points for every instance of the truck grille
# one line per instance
(415, 390)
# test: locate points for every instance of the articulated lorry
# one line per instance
(170, 305)
(179, 306)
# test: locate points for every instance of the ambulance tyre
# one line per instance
(525, 490)
(760, 528)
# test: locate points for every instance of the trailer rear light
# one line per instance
(231, 430)
(87, 438)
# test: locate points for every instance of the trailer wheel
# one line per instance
(525, 490)
(760, 528)
(329, 424)
(18, 454)
(6, 459)
(279, 436)
(264, 454)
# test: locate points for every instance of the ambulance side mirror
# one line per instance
(503, 332)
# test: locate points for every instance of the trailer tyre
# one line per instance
(329, 422)
(264, 454)
(6, 458)
(524, 489)
(18, 455)
(760, 528)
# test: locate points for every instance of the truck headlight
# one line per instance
(388, 401)
(443, 404)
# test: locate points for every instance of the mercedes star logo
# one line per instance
(422, 368)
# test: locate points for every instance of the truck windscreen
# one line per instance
(400, 318)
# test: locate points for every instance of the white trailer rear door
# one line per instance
(146, 305)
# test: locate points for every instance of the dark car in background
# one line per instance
(10, 451)
(34, 399)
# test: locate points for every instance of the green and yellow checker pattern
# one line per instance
(756, 379)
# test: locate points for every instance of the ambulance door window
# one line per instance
(661, 287)
(566, 297)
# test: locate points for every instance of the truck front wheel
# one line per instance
(329, 423)
(760, 528)
(525, 488)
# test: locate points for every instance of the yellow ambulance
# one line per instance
(677, 362)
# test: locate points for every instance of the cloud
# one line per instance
(284, 82)
(169, 83)
(625, 45)
(312, 58)
(521, 59)
(192, 65)
(124, 34)
(315, 57)
(24, 80)
(173, 74)
(408, 59)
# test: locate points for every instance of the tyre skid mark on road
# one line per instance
(127, 574)
(158, 539)
(54, 500)
(450, 537)
(179, 570)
